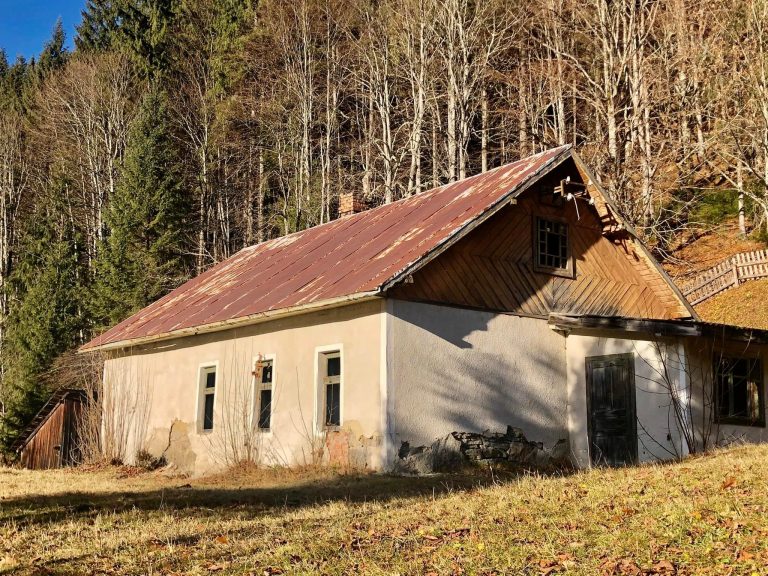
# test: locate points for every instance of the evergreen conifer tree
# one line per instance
(54, 53)
(142, 258)
(99, 27)
(43, 320)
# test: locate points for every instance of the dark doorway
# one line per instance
(611, 408)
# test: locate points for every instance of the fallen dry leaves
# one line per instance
(703, 517)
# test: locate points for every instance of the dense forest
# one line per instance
(179, 131)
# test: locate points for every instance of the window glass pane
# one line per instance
(334, 366)
(210, 379)
(266, 373)
(552, 244)
(332, 405)
(208, 413)
(265, 409)
(738, 389)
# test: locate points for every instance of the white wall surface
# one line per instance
(703, 354)
(167, 376)
(659, 436)
(454, 369)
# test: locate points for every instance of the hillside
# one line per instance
(703, 516)
(707, 250)
(746, 306)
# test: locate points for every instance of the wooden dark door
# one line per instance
(611, 409)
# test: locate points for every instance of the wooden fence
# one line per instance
(728, 274)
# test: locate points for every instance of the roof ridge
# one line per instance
(418, 195)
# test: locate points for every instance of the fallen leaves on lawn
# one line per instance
(628, 567)
(728, 483)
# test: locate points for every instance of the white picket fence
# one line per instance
(728, 274)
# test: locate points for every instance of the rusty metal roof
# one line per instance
(353, 257)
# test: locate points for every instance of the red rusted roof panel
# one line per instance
(352, 255)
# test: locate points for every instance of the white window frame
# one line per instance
(319, 411)
(202, 371)
(256, 387)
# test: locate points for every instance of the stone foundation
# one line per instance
(459, 449)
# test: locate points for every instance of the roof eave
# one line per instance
(685, 328)
(632, 232)
(236, 322)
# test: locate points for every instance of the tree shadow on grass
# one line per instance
(201, 500)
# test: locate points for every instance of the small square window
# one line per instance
(264, 376)
(331, 371)
(739, 391)
(207, 397)
(552, 251)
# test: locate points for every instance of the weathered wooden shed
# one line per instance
(52, 440)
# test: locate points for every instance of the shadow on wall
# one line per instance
(469, 371)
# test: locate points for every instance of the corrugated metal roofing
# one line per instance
(353, 256)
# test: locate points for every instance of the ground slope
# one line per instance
(703, 516)
(746, 305)
(707, 250)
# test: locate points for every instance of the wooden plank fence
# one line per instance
(728, 274)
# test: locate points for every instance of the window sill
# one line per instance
(560, 272)
(740, 422)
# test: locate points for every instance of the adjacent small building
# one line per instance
(517, 297)
(52, 439)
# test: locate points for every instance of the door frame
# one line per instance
(630, 358)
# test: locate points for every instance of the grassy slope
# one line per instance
(709, 250)
(704, 516)
(746, 305)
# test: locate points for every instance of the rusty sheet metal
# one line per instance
(358, 254)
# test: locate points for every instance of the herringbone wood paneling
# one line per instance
(493, 269)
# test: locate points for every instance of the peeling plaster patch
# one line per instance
(174, 444)
(350, 448)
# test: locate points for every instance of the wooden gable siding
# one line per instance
(493, 268)
(55, 443)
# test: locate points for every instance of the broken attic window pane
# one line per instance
(551, 244)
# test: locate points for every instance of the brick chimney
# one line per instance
(351, 203)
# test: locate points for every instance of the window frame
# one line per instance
(570, 270)
(203, 370)
(321, 353)
(739, 420)
(257, 387)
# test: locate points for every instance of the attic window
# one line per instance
(551, 247)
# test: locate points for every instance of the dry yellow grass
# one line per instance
(746, 306)
(703, 516)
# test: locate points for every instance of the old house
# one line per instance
(517, 297)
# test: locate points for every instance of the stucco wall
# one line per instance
(658, 434)
(455, 369)
(157, 388)
(702, 355)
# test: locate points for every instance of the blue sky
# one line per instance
(25, 25)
